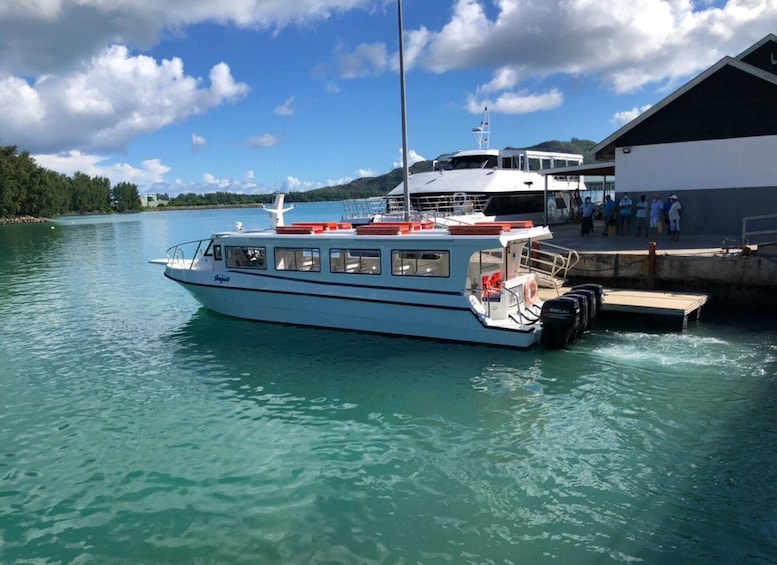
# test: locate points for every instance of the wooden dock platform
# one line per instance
(672, 309)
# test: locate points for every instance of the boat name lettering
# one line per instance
(221, 279)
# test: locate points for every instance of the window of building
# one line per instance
(244, 257)
(297, 259)
(426, 263)
(355, 261)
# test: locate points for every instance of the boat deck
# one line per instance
(669, 309)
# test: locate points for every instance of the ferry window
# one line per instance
(558, 163)
(534, 163)
(507, 162)
(420, 263)
(297, 259)
(217, 252)
(246, 257)
(546, 164)
(355, 261)
(521, 162)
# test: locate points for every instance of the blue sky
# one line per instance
(259, 95)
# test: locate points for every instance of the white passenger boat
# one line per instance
(504, 184)
(466, 283)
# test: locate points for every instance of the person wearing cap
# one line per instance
(674, 217)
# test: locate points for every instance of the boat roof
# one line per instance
(487, 234)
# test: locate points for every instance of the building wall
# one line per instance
(718, 182)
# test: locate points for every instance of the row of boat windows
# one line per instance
(430, 263)
(535, 163)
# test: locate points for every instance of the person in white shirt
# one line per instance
(674, 217)
(656, 215)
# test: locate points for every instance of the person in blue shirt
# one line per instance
(609, 209)
(587, 210)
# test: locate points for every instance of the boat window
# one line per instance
(525, 203)
(297, 259)
(546, 164)
(507, 162)
(420, 263)
(213, 250)
(356, 261)
(217, 252)
(534, 164)
(245, 257)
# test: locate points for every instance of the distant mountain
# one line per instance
(367, 187)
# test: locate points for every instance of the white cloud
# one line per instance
(517, 102)
(626, 116)
(366, 59)
(68, 163)
(264, 140)
(42, 36)
(107, 101)
(412, 158)
(198, 142)
(626, 45)
(365, 173)
(285, 109)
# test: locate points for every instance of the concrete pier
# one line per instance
(732, 276)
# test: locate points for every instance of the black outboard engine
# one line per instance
(582, 304)
(560, 319)
(588, 313)
(598, 292)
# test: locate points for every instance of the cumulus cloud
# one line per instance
(626, 116)
(285, 109)
(517, 102)
(366, 59)
(68, 163)
(264, 140)
(108, 101)
(198, 142)
(46, 36)
(412, 158)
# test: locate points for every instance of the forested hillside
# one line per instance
(27, 189)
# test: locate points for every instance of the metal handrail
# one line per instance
(746, 234)
(552, 262)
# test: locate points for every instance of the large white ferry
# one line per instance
(505, 184)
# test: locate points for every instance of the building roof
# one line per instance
(726, 100)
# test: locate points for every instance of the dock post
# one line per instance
(651, 282)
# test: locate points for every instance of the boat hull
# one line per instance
(442, 316)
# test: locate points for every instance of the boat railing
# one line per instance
(438, 206)
(176, 255)
(758, 226)
(549, 262)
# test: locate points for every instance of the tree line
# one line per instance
(27, 189)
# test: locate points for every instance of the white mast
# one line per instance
(403, 101)
(483, 131)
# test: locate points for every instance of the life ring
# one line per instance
(530, 292)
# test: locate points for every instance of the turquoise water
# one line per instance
(136, 427)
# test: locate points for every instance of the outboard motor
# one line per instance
(582, 304)
(589, 316)
(560, 319)
(598, 292)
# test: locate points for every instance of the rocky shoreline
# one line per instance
(13, 220)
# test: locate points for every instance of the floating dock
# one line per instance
(669, 309)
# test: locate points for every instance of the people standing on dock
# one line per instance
(587, 225)
(609, 209)
(656, 216)
(624, 215)
(674, 217)
(642, 208)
